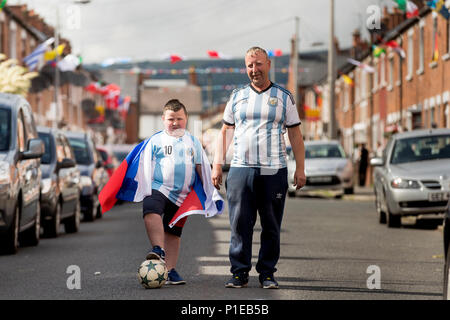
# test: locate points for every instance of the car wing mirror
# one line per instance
(66, 163)
(377, 162)
(35, 149)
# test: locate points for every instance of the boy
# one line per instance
(177, 155)
(171, 174)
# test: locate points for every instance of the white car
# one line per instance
(413, 176)
(326, 167)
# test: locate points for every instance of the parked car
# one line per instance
(20, 174)
(447, 252)
(60, 191)
(326, 167)
(413, 176)
(93, 174)
(108, 160)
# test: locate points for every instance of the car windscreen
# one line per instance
(81, 150)
(47, 156)
(5, 129)
(324, 151)
(103, 154)
(421, 149)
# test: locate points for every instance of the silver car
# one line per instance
(413, 176)
(326, 168)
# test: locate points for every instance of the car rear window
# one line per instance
(5, 129)
(324, 151)
(81, 150)
(47, 156)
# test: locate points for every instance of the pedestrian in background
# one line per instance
(257, 116)
(363, 163)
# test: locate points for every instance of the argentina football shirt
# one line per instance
(260, 120)
(174, 160)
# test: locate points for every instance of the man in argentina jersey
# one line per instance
(177, 156)
(257, 116)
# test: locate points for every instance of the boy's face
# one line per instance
(174, 122)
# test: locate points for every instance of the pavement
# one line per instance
(360, 194)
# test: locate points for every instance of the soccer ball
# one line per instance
(152, 274)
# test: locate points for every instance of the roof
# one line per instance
(320, 142)
(421, 133)
(315, 65)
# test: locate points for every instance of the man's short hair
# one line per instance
(253, 50)
(174, 105)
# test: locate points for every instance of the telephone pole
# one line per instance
(295, 61)
(332, 126)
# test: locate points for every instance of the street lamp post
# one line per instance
(332, 130)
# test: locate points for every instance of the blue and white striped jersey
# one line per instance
(174, 161)
(260, 120)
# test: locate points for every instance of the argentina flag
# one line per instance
(33, 58)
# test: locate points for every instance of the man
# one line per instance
(257, 115)
(363, 163)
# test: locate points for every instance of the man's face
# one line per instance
(258, 67)
(175, 122)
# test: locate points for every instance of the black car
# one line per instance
(447, 252)
(93, 174)
(60, 190)
(20, 174)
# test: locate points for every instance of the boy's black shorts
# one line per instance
(159, 204)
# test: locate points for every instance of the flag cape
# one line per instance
(132, 181)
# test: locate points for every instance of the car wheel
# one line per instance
(9, 243)
(393, 221)
(91, 212)
(349, 190)
(31, 236)
(51, 227)
(380, 212)
(72, 224)
(446, 276)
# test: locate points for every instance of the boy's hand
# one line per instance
(216, 176)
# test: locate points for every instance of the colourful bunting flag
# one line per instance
(2, 5)
(396, 47)
(347, 79)
(275, 53)
(377, 51)
(175, 58)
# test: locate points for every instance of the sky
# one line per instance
(154, 29)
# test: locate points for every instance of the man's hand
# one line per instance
(216, 176)
(299, 178)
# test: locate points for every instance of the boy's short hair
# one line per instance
(174, 105)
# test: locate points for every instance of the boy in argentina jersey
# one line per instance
(176, 155)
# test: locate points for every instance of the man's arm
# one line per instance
(298, 147)
(223, 142)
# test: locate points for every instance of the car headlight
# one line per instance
(400, 183)
(5, 176)
(46, 185)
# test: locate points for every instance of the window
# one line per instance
(434, 42)
(391, 72)
(20, 132)
(5, 129)
(421, 47)
(410, 54)
(448, 38)
(12, 40)
(383, 71)
(375, 77)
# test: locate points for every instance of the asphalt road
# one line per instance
(330, 249)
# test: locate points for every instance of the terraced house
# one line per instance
(402, 83)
